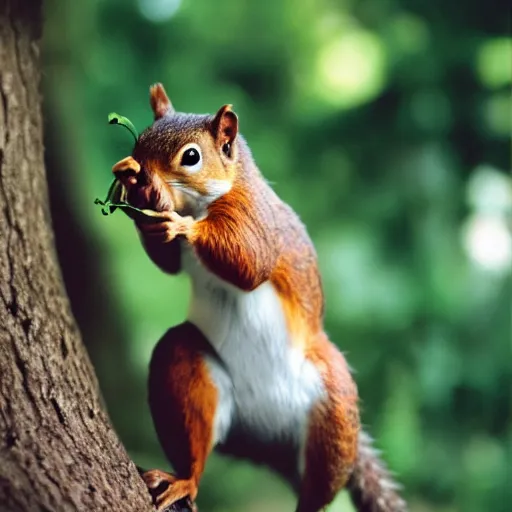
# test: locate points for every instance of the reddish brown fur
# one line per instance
(183, 400)
(145, 189)
(166, 256)
(151, 191)
(159, 148)
(331, 449)
(237, 240)
(296, 270)
(224, 126)
(248, 236)
(160, 103)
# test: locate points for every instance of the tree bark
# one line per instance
(58, 450)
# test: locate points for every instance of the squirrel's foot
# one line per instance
(169, 493)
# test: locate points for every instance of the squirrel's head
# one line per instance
(196, 155)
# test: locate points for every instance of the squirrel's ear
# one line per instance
(160, 103)
(225, 126)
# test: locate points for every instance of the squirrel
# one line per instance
(251, 371)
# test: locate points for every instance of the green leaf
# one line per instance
(116, 196)
(114, 118)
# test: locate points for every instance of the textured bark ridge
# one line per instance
(58, 450)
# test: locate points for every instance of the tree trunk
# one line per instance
(58, 450)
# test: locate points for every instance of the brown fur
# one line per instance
(158, 149)
(160, 103)
(371, 485)
(183, 400)
(248, 236)
(331, 449)
(237, 240)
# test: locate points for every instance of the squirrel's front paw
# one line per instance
(144, 189)
(169, 493)
(171, 226)
(127, 170)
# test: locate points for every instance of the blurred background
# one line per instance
(386, 125)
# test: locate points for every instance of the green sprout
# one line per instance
(116, 195)
(114, 118)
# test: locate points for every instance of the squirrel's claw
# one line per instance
(169, 493)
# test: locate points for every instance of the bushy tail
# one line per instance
(371, 485)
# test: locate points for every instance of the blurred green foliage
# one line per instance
(386, 125)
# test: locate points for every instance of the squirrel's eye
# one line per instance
(191, 158)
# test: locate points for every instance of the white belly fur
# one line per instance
(269, 387)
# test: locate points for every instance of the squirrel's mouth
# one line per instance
(192, 202)
(189, 201)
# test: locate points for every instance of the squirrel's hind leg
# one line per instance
(188, 388)
(330, 447)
